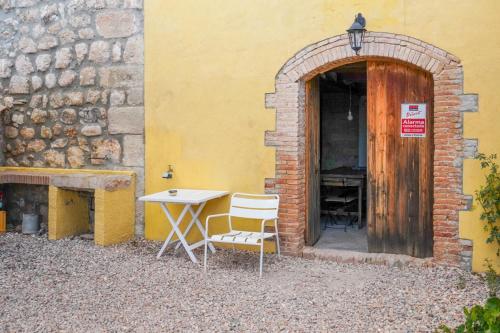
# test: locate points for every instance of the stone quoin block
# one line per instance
(133, 150)
(470, 148)
(121, 76)
(116, 23)
(135, 96)
(126, 120)
(469, 103)
(270, 100)
(117, 97)
(134, 50)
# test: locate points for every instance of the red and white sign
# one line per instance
(413, 120)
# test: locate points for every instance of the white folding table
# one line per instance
(188, 198)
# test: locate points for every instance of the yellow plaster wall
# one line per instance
(114, 216)
(68, 213)
(209, 63)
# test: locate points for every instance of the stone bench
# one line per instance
(114, 200)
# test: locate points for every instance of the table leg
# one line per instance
(196, 221)
(190, 225)
(204, 233)
(175, 226)
(172, 222)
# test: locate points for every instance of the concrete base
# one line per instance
(351, 239)
(352, 257)
(350, 245)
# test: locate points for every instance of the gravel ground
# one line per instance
(74, 286)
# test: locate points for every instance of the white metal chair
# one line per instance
(248, 206)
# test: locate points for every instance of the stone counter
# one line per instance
(68, 212)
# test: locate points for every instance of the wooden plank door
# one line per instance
(312, 111)
(400, 190)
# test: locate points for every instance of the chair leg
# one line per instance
(277, 238)
(205, 256)
(261, 256)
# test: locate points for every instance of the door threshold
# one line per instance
(353, 257)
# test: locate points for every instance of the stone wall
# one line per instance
(71, 85)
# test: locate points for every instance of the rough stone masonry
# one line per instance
(71, 85)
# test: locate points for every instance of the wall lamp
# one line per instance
(356, 33)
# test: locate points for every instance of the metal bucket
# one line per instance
(31, 224)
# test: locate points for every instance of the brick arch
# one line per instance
(450, 147)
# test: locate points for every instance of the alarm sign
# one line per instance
(413, 120)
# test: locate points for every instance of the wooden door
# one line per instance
(399, 199)
(312, 111)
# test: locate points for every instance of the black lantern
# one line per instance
(357, 32)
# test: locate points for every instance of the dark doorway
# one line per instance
(343, 158)
(369, 189)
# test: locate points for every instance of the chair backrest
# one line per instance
(254, 206)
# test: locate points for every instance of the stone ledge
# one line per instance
(91, 182)
(85, 181)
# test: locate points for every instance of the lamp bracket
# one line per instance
(360, 19)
